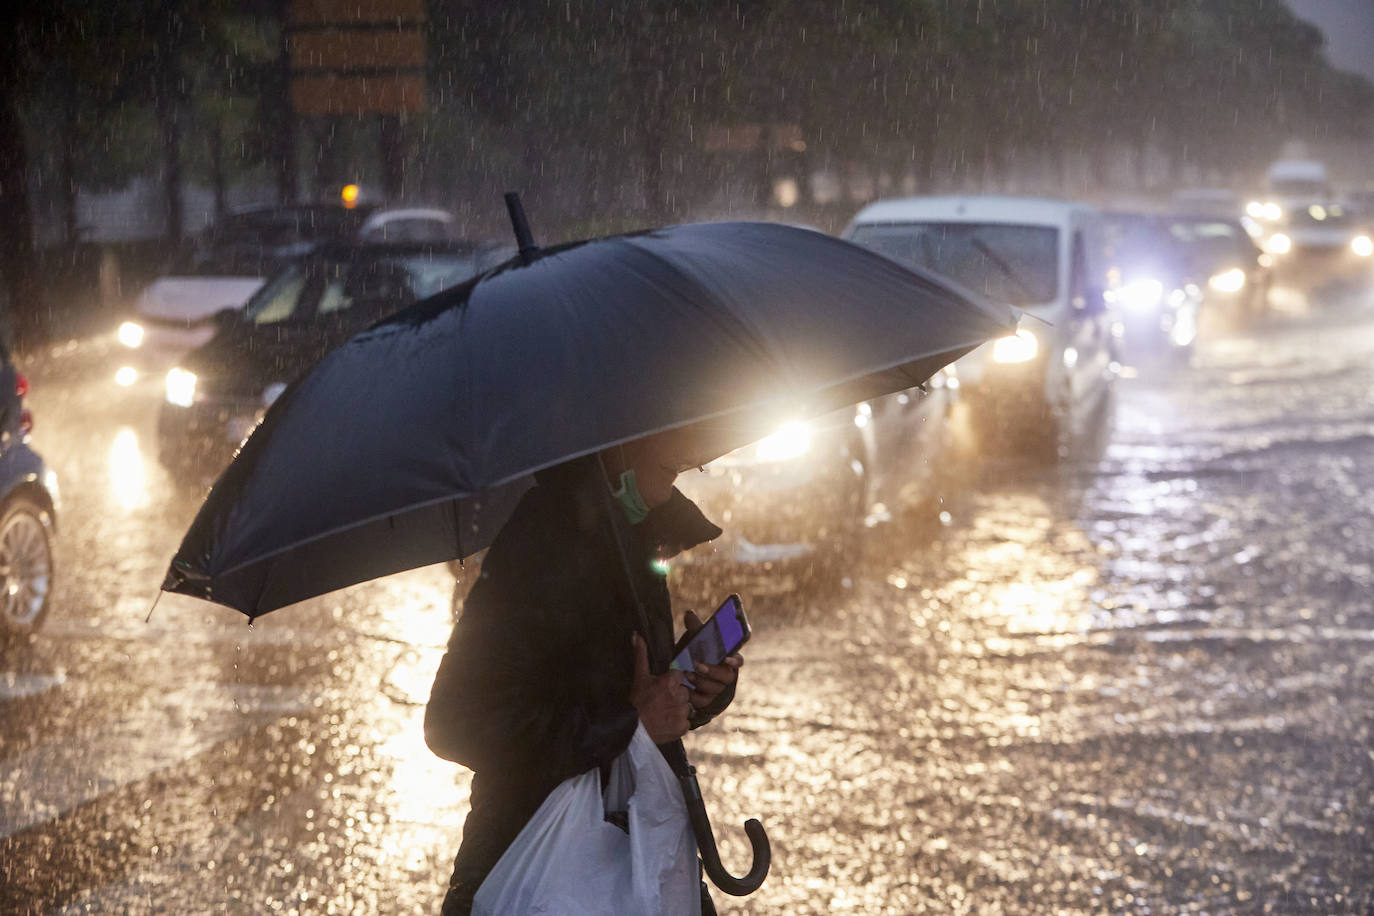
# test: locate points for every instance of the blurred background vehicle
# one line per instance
(794, 504)
(216, 394)
(1151, 286)
(1234, 274)
(1324, 237)
(28, 511)
(219, 271)
(1037, 254)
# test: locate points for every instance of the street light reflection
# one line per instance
(128, 478)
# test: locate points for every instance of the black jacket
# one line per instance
(535, 685)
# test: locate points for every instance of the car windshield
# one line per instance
(1298, 187)
(319, 287)
(1328, 215)
(1216, 243)
(1005, 262)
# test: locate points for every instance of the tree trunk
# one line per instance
(282, 115)
(391, 153)
(66, 178)
(167, 110)
(215, 138)
(18, 257)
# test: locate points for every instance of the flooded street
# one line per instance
(1139, 682)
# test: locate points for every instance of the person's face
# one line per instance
(658, 460)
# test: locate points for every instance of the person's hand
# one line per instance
(662, 700)
(709, 680)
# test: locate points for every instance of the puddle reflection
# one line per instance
(128, 476)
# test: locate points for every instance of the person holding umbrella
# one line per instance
(542, 410)
(546, 675)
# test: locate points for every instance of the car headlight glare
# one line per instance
(1362, 245)
(181, 387)
(130, 334)
(1279, 244)
(1019, 348)
(1271, 211)
(791, 441)
(1142, 293)
(1228, 281)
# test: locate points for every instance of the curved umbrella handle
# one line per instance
(706, 843)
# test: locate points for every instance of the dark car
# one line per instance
(221, 269)
(219, 391)
(1234, 273)
(28, 511)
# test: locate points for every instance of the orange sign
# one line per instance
(357, 56)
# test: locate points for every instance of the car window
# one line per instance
(336, 294)
(1214, 241)
(281, 298)
(429, 275)
(1006, 262)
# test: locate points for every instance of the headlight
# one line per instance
(1143, 293)
(1279, 244)
(1017, 349)
(1362, 245)
(130, 334)
(792, 441)
(1254, 209)
(1228, 281)
(1271, 211)
(181, 387)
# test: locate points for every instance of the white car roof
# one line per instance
(972, 208)
(1297, 170)
(382, 217)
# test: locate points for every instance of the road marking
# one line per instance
(15, 686)
(51, 779)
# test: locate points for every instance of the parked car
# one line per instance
(1235, 275)
(1151, 286)
(216, 394)
(28, 511)
(177, 311)
(1037, 255)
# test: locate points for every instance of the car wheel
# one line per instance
(26, 564)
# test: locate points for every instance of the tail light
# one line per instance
(26, 420)
(21, 384)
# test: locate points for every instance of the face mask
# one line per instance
(636, 509)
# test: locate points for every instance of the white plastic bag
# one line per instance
(569, 861)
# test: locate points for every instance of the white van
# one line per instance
(1039, 255)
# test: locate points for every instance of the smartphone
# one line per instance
(722, 634)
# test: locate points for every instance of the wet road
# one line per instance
(1141, 682)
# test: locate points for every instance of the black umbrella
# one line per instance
(410, 444)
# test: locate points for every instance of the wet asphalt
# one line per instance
(1138, 681)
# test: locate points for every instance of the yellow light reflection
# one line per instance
(128, 478)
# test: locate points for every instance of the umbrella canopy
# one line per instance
(409, 444)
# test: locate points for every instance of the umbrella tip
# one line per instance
(520, 224)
